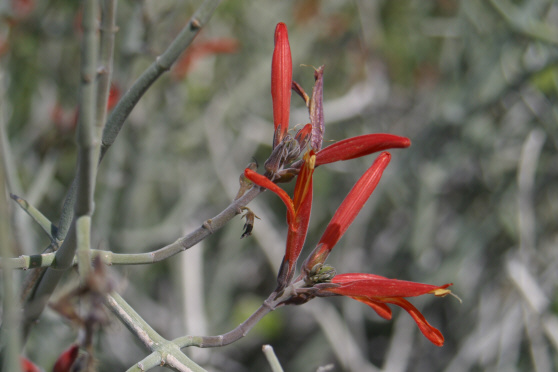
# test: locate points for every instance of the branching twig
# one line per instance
(181, 244)
(86, 171)
(161, 64)
(164, 351)
(80, 200)
(48, 227)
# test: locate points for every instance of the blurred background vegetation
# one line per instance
(474, 201)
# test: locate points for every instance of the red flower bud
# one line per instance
(27, 365)
(348, 211)
(66, 359)
(358, 146)
(281, 81)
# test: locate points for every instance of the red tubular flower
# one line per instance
(377, 291)
(348, 210)
(27, 365)
(281, 81)
(66, 359)
(358, 146)
(298, 212)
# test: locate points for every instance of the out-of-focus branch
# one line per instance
(9, 335)
(125, 106)
(11, 178)
(164, 351)
(181, 244)
(231, 336)
(525, 25)
(271, 303)
(80, 201)
(86, 172)
(37, 216)
(161, 64)
(106, 52)
(272, 358)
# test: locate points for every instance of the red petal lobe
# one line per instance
(358, 146)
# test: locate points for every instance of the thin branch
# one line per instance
(86, 169)
(530, 27)
(181, 244)
(106, 52)
(164, 351)
(20, 228)
(229, 337)
(9, 335)
(136, 91)
(161, 64)
(152, 360)
(272, 358)
(48, 227)
(133, 321)
(271, 303)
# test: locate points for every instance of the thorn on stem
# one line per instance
(207, 225)
(195, 24)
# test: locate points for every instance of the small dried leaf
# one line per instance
(316, 109)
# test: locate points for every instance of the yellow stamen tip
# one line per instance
(441, 292)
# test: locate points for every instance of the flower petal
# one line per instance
(66, 359)
(281, 81)
(263, 181)
(303, 207)
(375, 286)
(358, 146)
(382, 309)
(348, 210)
(431, 333)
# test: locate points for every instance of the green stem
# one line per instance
(133, 321)
(47, 226)
(531, 27)
(271, 303)
(9, 335)
(86, 170)
(181, 244)
(161, 64)
(106, 53)
(164, 351)
(272, 359)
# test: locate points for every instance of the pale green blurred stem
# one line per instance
(181, 244)
(37, 216)
(272, 359)
(9, 335)
(136, 91)
(106, 53)
(271, 303)
(83, 253)
(88, 149)
(164, 351)
(161, 64)
(524, 25)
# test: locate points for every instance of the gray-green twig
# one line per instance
(164, 351)
(86, 173)
(181, 244)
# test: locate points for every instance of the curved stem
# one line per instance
(274, 301)
(86, 172)
(161, 64)
(164, 351)
(181, 244)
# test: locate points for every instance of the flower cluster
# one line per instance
(317, 279)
